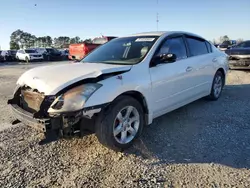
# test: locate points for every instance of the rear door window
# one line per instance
(197, 46)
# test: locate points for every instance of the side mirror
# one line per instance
(164, 58)
(168, 58)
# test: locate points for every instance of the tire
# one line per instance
(108, 125)
(217, 86)
(26, 59)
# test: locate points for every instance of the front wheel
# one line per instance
(121, 124)
(26, 59)
(217, 86)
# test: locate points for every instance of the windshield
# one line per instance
(245, 44)
(129, 50)
(30, 51)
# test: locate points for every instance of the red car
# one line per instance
(79, 51)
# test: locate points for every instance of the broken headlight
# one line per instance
(74, 99)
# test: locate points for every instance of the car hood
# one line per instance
(52, 79)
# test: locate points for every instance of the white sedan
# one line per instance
(121, 86)
(28, 55)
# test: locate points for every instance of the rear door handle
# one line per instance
(214, 59)
(189, 69)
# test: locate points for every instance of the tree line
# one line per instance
(225, 38)
(20, 39)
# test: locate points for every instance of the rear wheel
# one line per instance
(121, 124)
(217, 86)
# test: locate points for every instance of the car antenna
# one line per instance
(157, 16)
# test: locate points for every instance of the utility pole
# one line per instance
(157, 20)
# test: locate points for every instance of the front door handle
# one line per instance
(189, 69)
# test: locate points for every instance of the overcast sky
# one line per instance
(89, 18)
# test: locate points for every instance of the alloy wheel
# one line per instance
(126, 125)
(217, 86)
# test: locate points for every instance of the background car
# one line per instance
(52, 54)
(49, 54)
(79, 51)
(9, 55)
(226, 45)
(1, 57)
(239, 55)
(28, 55)
(64, 53)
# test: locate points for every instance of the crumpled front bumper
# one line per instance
(50, 126)
(28, 119)
(61, 125)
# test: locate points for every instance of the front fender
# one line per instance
(117, 85)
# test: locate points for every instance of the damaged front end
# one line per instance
(55, 116)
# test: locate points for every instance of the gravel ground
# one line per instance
(204, 144)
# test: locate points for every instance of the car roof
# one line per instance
(161, 33)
